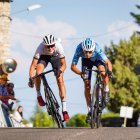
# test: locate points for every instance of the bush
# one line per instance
(78, 120)
(111, 120)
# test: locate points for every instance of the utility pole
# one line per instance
(4, 30)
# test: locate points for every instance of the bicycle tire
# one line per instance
(58, 120)
(98, 119)
(56, 115)
(95, 114)
(54, 109)
(92, 123)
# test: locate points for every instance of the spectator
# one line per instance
(4, 99)
(17, 117)
(6, 91)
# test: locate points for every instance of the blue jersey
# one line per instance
(3, 90)
(97, 54)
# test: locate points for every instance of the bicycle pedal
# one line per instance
(100, 110)
(88, 121)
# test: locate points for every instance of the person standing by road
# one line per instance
(6, 91)
(17, 117)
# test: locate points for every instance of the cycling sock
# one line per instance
(106, 88)
(38, 93)
(64, 104)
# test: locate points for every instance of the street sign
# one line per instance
(126, 112)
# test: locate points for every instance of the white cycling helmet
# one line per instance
(88, 44)
(49, 40)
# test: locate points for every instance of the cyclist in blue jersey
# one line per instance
(92, 55)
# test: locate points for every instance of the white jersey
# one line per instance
(41, 50)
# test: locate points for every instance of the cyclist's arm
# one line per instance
(75, 69)
(9, 97)
(1, 97)
(103, 56)
(32, 67)
(74, 64)
(109, 65)
(63, 64)
(75, 60)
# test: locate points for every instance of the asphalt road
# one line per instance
(103, 133)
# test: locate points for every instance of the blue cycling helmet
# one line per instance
(88, 44)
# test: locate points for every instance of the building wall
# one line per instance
(4, 29)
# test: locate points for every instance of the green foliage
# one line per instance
(110, 115)
(125, 87)
(41, 119)
(25, 121)
(77, 120)
(136, 16)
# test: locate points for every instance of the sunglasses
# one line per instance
(50, 46)
(90, 52)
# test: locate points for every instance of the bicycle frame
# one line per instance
(96, 110)
(51, 101)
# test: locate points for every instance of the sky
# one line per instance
(72, 21)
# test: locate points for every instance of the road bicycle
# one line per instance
(97, 100)
(51, 101)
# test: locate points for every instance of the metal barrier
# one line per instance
(5, 120)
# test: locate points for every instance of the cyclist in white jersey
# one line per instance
(50, 50)
(92, 55)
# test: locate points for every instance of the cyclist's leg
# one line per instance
(39, 70)
(55, 61)
(101, 66)
(87, 82)
(42, 63)
(62, 93)
(61, 86)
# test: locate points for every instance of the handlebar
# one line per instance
(42, 74)
(95, 70)
(99, 71)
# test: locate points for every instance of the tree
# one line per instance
(41, 119)
(136, 16)
(78, 120)
(125, 87)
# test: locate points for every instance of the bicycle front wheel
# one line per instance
(95, 109)
(58, 120)
(53, 109)
(56, 115)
